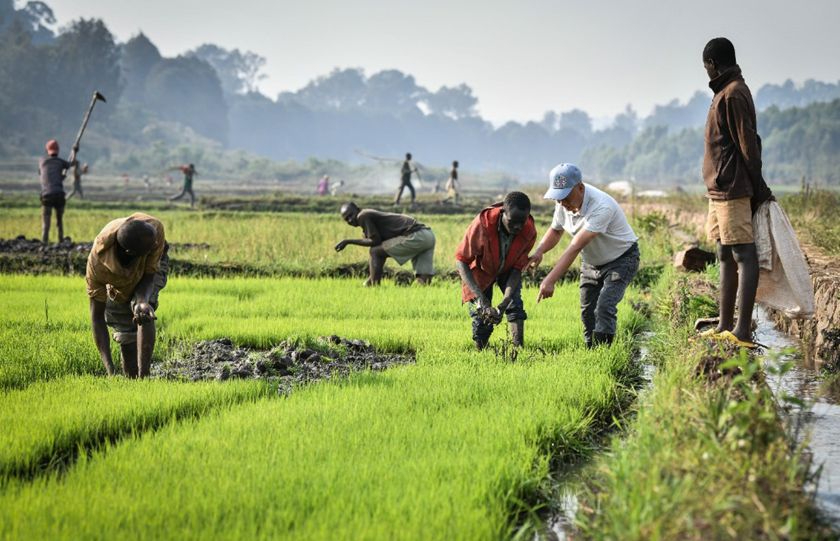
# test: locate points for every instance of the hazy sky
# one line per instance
(521, 57)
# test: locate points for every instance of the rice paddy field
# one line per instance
(458, 444)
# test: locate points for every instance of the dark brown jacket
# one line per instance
(732, 158)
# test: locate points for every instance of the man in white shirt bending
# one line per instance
(609, 246)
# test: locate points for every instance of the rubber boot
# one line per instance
(480, 344)
(599, 338)
(517, 332)
(587, 338)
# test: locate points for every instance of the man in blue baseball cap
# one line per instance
(601, 233)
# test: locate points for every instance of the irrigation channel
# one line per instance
(560, 523)
(820, 420)
(821, 416)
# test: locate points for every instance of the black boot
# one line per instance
(480, 344)
(517, 332)
(587, 338)
(599, 338)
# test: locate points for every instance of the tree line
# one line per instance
(207, 101)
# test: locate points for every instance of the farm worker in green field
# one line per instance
(405, 179)
(735, 188)
(189, 172)
(391, 235)
(601, 233)
(53, 171)
(126, 269)
(494, 252)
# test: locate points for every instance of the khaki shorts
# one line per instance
(730, 222)
(120, 315)
(419, 247)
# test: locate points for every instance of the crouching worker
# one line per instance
(601, 233)
(391, 235)
(494, 251)
(126, 269)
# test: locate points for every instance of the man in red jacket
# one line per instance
(494, 251)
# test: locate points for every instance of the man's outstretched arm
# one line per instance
(579, 241)
(549, 241)
(368, 243)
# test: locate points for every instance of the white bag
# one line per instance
(784, 282)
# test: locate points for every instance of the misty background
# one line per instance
(205, 106)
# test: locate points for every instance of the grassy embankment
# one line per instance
(814, 213)
(705, 458)
(298, 244)
(454, 447)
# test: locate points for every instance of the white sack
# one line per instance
(784, 282)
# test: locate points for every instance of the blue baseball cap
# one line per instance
(561, 180)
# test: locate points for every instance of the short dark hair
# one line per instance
(408, 155)
(517, 200)
(721, 51)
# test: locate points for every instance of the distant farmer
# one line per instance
(189, 172)
(126, 269)
(78, 171)
(494, 252)
(452, 185)
(323, 185)
(600, 232)
(735, 188)
(405, 179)
(53, 171)
(391, 235)
(336, 187)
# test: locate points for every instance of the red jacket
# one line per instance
(480, 249)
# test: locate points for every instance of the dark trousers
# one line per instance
(481, 331)
(185, 191)
(405, 183)
(602, 288)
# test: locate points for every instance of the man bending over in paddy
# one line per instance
(126, 269)
(494, 251)
(601, 233)
(391, 235)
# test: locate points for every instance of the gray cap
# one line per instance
(561, 180)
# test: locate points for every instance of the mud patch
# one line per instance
(288, 364)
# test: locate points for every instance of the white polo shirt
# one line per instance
(601, 214)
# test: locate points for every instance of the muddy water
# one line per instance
(560, 523)
(821, 423)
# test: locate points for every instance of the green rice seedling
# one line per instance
(444, 449)
(48, 423)
(258, 313)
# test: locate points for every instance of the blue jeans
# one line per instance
(602, 288)
(481, 330)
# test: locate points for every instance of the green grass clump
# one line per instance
(451, 448)
(40, 344)
(46, 424)
(456, 446)
(705, 458)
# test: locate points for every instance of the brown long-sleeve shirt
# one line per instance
(732, 158)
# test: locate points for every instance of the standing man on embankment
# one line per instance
(405, 179)
(189, 172)
(601, 233)
(126, 269)
(53, 171)
(494, 251)
(735, 188)
(391, 235)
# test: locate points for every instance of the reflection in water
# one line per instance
(823, 421)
